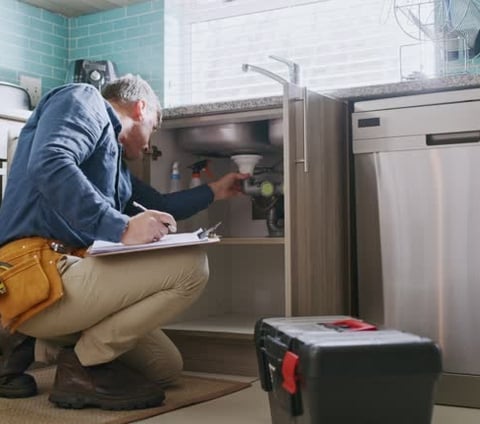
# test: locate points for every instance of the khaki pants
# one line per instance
(115, 306)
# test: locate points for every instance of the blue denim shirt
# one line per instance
(67, 181)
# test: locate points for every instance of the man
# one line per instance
(68, 186)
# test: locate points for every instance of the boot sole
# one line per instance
(8, 390)
(17, 394)
(80, 401)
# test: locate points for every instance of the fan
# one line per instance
(432, 20)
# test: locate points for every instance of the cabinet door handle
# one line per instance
(453, 138)
(305, 130)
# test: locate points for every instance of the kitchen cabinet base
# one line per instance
(458, 390)
(214, 352)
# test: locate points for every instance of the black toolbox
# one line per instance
(340, 370)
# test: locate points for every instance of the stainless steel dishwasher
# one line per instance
(417, 188)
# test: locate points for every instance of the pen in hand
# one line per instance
(139, 206)
(171, 228)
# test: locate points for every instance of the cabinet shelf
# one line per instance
(227, 323)
(252, 240)
(222, 344)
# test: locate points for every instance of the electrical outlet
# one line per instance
(33, 86)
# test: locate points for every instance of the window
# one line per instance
(337, 43)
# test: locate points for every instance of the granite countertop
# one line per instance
(454, 82)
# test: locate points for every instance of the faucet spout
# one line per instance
(247, 67)
(293, 68)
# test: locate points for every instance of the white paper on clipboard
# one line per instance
(103, 248)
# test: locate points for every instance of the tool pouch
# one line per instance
(31, 281)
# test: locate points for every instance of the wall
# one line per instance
(35, 42)
(130, 36)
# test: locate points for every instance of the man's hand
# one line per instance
(229, 185)
(148, 226)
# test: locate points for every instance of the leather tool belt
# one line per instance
(29, 279)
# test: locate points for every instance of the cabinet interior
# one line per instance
(247, 268)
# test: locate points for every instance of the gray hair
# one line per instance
(132, 88)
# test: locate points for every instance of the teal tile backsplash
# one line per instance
(132, 37)
(41, 44)
(30, 41)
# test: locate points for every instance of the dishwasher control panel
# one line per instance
(413, 122)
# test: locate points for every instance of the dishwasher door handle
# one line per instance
(453, 138)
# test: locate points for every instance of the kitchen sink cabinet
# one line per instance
(316, 171)
(253, 275)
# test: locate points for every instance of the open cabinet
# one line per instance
(253, 272)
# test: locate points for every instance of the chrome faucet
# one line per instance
(247, 67)
(293, 68)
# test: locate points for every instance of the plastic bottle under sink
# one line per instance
(200, 219)
(175, 183)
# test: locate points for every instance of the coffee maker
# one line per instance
(94, 72)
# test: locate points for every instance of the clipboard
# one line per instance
(201, 236)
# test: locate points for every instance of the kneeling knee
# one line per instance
(198, 271)
(175, 368)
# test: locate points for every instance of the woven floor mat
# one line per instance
(38, 410)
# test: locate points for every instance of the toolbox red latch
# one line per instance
(289, 368)
(354, 325)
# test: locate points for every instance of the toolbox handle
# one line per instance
(289, 372)
(352, 324)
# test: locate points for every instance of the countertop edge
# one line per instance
(213, 108)
(404, 88)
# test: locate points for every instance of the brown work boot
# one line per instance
(107, 386)
(17, 354)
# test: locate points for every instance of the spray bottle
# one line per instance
(175, 178)
(200, 219)
(197, 168)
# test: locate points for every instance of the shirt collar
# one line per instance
(117, 125)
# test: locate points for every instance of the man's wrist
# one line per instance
(213, 187)
(125, 229)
